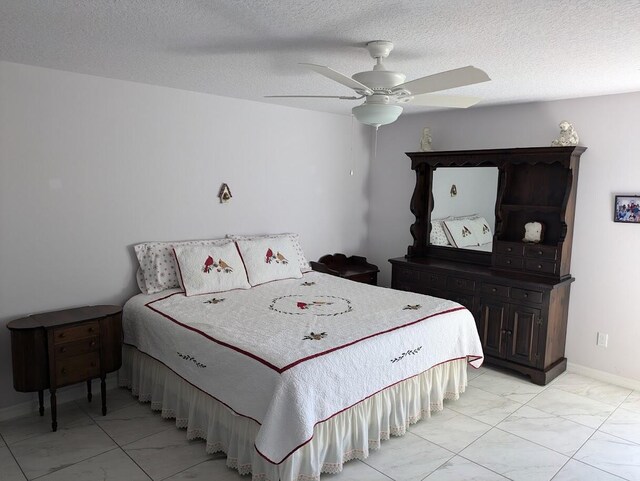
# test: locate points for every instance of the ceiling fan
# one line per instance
(383, 90)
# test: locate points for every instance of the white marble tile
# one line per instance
(27, 426)
(613, 455)
(472, 372)
(116, 399)
(591, 388)
(573, 407)
(167, 453)
(408, 458)
(133, 422)
(356, 471)
(551, 431)
(577, 471)
(211, 470)
(514, 458)
(511, 387)
(113, 465)
(460, 469)
(482, 405)
(9, 469)
(623, 423)
(450, 429)
(2, 443)
(632, 402)
(40, 455)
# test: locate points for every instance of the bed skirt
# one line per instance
(345, 436)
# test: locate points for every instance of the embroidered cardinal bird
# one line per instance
(269, 256)
(281, 258)
(209, 264)
(302, 305)
(224, 266)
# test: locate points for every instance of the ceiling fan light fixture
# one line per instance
(376, 114)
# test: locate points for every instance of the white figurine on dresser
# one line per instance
(568, 135)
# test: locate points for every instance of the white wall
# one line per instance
(90, 166)
(606, 255)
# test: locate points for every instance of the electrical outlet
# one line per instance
(603, 340)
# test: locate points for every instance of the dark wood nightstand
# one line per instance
(355, 268)
(59, 348)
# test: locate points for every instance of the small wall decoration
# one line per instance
(425, 141)
(224, 194)
(533, 232)
(568, 135)
(627, 209)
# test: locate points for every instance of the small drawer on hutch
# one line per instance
(541, 252)
(526, 295)
(494, 289)
(461, 283)
(511, 262)
(77, 368)
(538, 265)
(66, 334)
(69, 349)
(512, 249)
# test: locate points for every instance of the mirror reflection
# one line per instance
(464, 207)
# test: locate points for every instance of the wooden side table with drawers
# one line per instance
(56, 349)
(355, 268)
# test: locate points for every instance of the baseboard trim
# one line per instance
(72, 393)
(603, 376)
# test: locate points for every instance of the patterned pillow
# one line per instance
(158, 263)
(438, 236)
(460, 232)
(295, 239)
(140, 280)
(205, 269)
(481, 230)
(269, 259)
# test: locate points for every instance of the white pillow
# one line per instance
(158, 263)
(460, 232)
(438, 237)
(295, 240)
(205, 269)
(269, 259)
(481, 230)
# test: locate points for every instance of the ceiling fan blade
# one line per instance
(341, 97)
(362, 89)
(455, 101)
(445, 80)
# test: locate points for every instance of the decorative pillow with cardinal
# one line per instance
(295, 240)
(269, 259)
(209, 269)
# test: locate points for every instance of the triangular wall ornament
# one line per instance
(224, 194)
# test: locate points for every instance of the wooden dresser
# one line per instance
(519, 292)
(55, 349)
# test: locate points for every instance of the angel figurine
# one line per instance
(568, 135)
(425, 141)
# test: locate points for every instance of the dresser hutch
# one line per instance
(518, 292)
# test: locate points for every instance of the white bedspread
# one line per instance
(292, 353)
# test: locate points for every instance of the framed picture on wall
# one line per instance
(627, 209)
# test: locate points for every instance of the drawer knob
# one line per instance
(92, 343)
(508, 261)
(539, 266)
(493, 289)
(504, 331)
(526, 294)
(539, 253)
(509, 249)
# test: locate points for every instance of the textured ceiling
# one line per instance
(532, 49)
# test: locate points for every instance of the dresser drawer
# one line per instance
(509, 248)
(437, 281)
(408, 275)
(526, 295)
(66, 334)
(510, 262)
(82, 346)
(494, 289)
(539, 265)
(541, 252)
(77, 368)
(465, 299)
(461, 283)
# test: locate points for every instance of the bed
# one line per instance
(295, 377)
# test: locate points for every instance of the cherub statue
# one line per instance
(568, 135)
(425, 141)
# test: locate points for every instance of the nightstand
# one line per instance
(60, 348)
(355, 268)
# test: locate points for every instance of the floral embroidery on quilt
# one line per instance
(215, 300)
(308, 284)
(316, 305)
(187, 357)
(221, 266)
(312, 336)
(410, 352)
(277, 257)
(411, 307)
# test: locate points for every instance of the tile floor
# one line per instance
(503, 427)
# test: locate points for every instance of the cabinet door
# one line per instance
(492, 327)
(523, 331)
